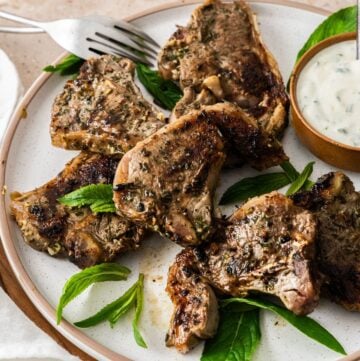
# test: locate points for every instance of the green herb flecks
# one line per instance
(68, 66)
(237, 337)
(98, 196)
(305, 324)
(165, 92)
(79, 282)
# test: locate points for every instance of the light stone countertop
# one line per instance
(33, 51)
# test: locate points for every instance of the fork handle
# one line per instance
(19, 19)
(17, 29)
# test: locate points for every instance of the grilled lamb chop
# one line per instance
(219, 56)
(196, 314)
(167, 181)
(336, 206)
(245, 138)
(266, 247)
(102, 110)
(84, 237)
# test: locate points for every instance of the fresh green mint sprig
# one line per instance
(99, 197)
(265, 183)
(131, 299)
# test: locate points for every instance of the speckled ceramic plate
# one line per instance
(29, 160)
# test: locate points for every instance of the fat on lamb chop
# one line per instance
(336, 205)
(84, 237)
(102, 110)
(220, 57)
(266, 247)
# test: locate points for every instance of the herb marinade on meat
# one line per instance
(267, 246)
(102, 110)
(220, 57)
(336, 206)
(84, 237)
(167, 182)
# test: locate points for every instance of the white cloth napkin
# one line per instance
(10, 90)
(20, 339)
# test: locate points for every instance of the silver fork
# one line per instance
(91, 35)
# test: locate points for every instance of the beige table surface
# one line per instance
(31, 52)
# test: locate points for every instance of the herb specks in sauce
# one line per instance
(329, 93)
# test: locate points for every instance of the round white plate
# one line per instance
(29, 160)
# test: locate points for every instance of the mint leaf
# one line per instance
(237, 337)
(127, 302)
(80, 281)
(116, 309)
(68, 66)
(290, 170)
(254, 186)
(165, 92)
(343, 21)
(138, 308)
(97, 196)
(302, 180)
(305, 324)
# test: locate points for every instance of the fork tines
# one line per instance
(129, 42)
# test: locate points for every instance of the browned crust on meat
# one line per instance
(102, 110)
(336, 205)
(246, 139)
(195, 316)
(84, 237)
(167, 181)
(220, 56)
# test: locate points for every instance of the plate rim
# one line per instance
(69, 331)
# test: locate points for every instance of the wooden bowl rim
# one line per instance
(295, 75)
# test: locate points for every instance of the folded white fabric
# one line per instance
(20, 339)
(10, 90)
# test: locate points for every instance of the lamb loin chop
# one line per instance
(102, 110)
(167, 181)
(267, 246)
(84, 237)
(219, 56)
(336, 206)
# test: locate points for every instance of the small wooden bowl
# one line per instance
(329, 150)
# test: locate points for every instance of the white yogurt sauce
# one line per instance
(328, 93)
